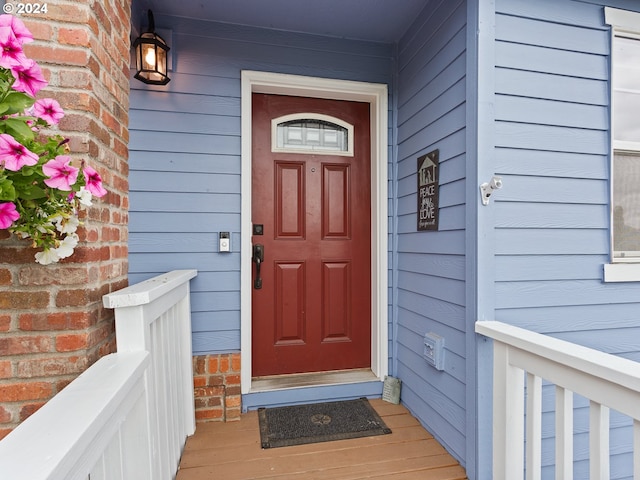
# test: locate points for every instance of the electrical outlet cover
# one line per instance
(434, 350)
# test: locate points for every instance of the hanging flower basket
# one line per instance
(41, 190)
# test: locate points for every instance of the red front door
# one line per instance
(311, 214)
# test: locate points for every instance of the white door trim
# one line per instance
(377, 96)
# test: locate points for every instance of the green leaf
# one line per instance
(18, 102)
(33, 192)
(27, 171)
(28, 188)
(18, 128)
(7, 190)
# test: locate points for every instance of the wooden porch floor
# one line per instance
(232, 451)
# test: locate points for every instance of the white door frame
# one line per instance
(377, 96)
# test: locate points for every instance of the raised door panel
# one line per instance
(290, 199)
(336, 194)
(336, 303)
(289, 302)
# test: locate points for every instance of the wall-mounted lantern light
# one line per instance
(151, 56)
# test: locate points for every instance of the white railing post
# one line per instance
(636, 448)
(186, 365)
(155, 316)
(128, 415)
(534, 427)
(598, 441)
(607, 381)
(508, 416)
(564, 433)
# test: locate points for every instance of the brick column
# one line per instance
(216, 380)
(52, 324)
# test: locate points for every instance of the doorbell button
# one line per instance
(225, 242)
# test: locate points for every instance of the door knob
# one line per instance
(258, 258)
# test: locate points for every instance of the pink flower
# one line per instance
(28, 77)
(93, 182)
(21, 32)
(11, 53)
(8, 215)
(48, 110)
(14, 155)
(61, 174)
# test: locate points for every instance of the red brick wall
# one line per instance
(216, 381)
(52, 323)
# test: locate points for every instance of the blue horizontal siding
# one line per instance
(185, 222)
(540, 163)
(437, 384)
(551, 112)
(186, 181)
(226, 57)
(548, 267)
(567, 293)
(563, 13)
(537, 241)
(547, 86)
(550, 220)
(192, 202)
(187, 162)
(435, 313)
(416, 390)
(185, 154)
(447, 266)
(551, 319)
(552, 61)
(445, 243)
(429, 293)
(546, 34)
(552, 214)
(177, 142)
(552, 138)
(434, 40)
(210, 102)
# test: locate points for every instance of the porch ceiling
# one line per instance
(374, 20)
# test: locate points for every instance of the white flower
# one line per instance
(47, 256)
(45, 228)
(69, 225)
(65, 249)
(84, 196)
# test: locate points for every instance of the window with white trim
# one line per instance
(625, 138)
(311, 133)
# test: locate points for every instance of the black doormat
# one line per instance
(319, 422)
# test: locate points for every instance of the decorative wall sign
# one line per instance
(428, 190)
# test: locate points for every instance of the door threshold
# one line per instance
(313, 379)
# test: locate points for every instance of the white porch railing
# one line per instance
(128, 415)
(607, 381)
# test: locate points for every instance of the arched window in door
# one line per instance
(311, 133)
